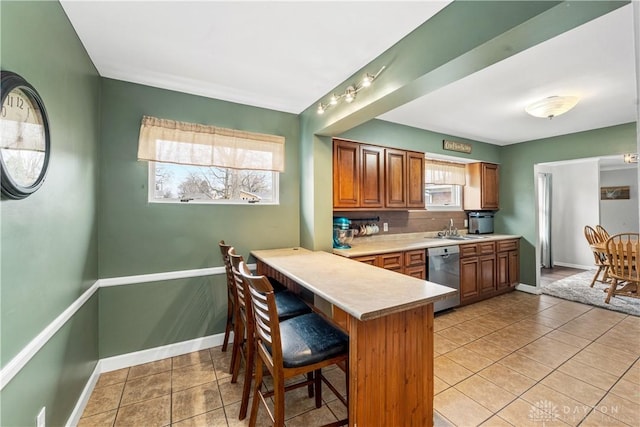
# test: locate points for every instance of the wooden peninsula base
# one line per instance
(389, 319)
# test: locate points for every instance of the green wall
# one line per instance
(138, 237)
(49, 240)
(517, 181)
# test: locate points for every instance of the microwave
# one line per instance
(480, 222)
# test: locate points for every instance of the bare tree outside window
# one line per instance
(173, 182)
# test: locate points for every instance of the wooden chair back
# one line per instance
(237, 268)
(265, 315)
(604, 235)
(224, 249)
(623, 251)
(593, 238)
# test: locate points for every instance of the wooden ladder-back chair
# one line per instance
(623, 250)
(231, 295)
(599, 257)
(291, 348)
(288, 305)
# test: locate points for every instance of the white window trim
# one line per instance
(448, 208)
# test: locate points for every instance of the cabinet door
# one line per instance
(490, 190)
(395, 169)
(415, 180)
(514, 268)
(487, 279)
(482, 187)
(372, 176)
(502, 270)
(346, 174)
(469, 272)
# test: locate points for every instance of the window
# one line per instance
(443, 185)
(191, 162)
(173, 183)
(443, 197)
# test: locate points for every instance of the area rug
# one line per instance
(576, 288)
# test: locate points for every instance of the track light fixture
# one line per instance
(349, 94)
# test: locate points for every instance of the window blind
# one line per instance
(163, 140)
(441, 172)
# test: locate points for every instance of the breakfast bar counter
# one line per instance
(389, 319)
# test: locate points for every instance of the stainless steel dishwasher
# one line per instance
(444, 269)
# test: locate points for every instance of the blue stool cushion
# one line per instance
(309, 339)
(289, 305)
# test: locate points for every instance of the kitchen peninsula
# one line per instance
(389, 319)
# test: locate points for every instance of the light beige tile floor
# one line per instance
(514, 360)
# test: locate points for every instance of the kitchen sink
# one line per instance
(460, 237)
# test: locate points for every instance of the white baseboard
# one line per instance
(566, 264)
(136, 358)
(74, 418)
(158, 353)
(530, 289)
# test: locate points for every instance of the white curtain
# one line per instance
(170, 141)
(441, 172)
(544, 215)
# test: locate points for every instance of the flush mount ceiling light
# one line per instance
(631, 158)
(349, 94)
(552, 106)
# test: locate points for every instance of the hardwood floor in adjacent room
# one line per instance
(548, 275)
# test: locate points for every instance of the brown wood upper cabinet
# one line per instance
(372, 177)
(481, 190)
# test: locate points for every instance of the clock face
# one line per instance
(24, 137)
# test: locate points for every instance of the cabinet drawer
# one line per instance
(507, 245)
(468, 250)
(415, 258)
(371, 260)
(485, 248)
(390, 261)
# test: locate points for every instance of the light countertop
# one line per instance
(362, 246)
(364, 291)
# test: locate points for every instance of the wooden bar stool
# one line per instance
(288, 305)
(289, 348)
(231, 295)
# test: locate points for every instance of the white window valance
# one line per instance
(441, 172)
(163, 140)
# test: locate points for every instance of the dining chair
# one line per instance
(604, 234)
(599, 257)
(288, 305)
(299, 346)
(231, 295)
(623, 251)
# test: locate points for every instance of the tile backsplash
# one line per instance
(407, 221)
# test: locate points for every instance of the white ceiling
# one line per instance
(287, 55)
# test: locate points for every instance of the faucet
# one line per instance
(452, 230)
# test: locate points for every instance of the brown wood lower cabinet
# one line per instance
(508, 264)
(411, 263)
(488, 269)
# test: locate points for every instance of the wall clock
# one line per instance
(24, 138)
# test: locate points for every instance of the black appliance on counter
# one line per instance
(480, 222)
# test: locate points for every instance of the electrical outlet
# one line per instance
(385, 226)
(40, 419)
(466, 223)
